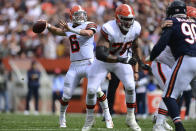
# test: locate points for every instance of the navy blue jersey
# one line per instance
(181, 38)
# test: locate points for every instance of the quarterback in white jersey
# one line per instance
(81, 35)
(113, 54)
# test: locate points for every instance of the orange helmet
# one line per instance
(191, 11)
(124, 16)
(78, 14)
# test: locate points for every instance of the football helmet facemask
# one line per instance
(124, 16)
(78, 14)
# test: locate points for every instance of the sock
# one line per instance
(89, 114)
(104, 105)
(63, 109)
(131, 107)
(130, 100)
(172, 107)
(162, 113)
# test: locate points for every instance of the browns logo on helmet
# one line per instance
(124, 16)
(78, 14)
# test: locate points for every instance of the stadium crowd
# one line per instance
(17, 17)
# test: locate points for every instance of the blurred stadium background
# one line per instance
(19, 46)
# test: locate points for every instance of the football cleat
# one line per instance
(167, 126)
(109, 123)
(26, 112)
(88, 123)
(63, 125)
(159, 127)
(131, 122)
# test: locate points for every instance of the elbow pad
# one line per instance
(102, 53)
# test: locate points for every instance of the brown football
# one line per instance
(39, 26)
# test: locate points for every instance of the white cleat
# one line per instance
(62, 120)
(26, 112)
(63, 125)
(167, 126)
(88, 123)
(109, 123)
(131, 122)
(159, 127)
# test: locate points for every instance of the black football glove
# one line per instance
(144, 66)
(127, 60)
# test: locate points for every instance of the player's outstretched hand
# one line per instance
(64, 25)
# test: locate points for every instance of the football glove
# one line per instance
(127, 60)
(144, 66)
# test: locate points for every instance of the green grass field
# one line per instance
(18, 122)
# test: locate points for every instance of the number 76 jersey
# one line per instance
(81, 47)
(120, 44)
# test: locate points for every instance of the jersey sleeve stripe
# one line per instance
(91, 25)
(173, 78)
(105, 35)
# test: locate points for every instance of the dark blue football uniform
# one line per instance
(181, 38)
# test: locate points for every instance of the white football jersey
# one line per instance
(119, 43)
(166, 57)
(81, 47)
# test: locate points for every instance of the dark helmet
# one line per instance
(176, 7)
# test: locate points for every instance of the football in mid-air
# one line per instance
(39, 26)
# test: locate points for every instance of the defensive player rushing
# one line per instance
(161, 69)
(181, 38)
(81, 35)
(113, 53)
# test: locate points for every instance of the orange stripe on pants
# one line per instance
(173, 77)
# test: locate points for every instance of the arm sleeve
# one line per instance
(161, 44)
(92, 26)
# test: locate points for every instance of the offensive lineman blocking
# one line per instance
(81, 35)
(113, 53)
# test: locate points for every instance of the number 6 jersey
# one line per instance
(81, 47)
(119, 43)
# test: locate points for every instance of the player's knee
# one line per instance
(65, 99)
(91, 91)
(67, 94)
(130, 92)
(130, 87)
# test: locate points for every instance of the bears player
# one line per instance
(181, 38)
(113, 54)
(81, 35)
(161, 69)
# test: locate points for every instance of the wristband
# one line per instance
(77, 31)
(48, 25)
(136, 72)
